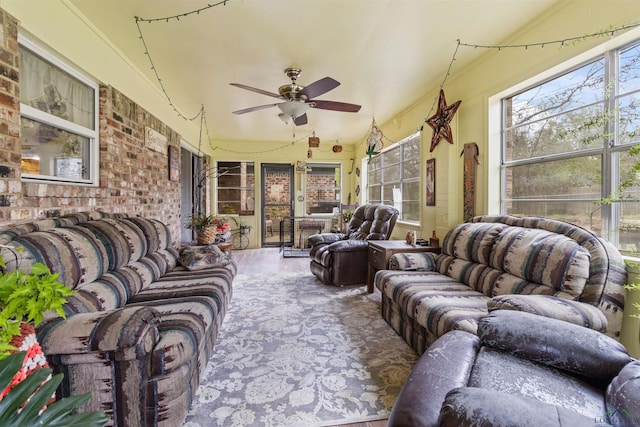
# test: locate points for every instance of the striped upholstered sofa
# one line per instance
(531, 264)
(140, 328)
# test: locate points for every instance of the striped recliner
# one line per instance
(532, 264)
(140, 328)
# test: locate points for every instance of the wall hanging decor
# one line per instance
(314, 141)
(174, 163)
(440, 122)
(430, 192)
(470, 159)
(374, 141)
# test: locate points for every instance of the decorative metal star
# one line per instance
(440, 121)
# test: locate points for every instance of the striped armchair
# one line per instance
(531, 264)
(140, 328)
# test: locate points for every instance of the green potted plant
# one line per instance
(206, 227)
(25, 297)
(23, 404)
(241, 225)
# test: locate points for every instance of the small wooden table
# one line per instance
(381, 250)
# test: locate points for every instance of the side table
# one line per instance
(225, 247)
(381, 250)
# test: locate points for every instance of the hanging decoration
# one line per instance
(441, 121)
(314, 141)
(374, 141)
(470, 160)
(337, 148)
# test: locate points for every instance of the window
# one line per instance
(236, 188)
(393, 178)
(566, 145)
(59, 121)
(323, 188)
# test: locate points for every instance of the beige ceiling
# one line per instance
(387, 54)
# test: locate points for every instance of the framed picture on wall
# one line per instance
(430, 192)
(174, 163)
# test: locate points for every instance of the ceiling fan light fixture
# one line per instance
(285, 119)
(293, 109)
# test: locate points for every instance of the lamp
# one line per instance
(293, 109)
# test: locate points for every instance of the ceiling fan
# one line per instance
(298, 99)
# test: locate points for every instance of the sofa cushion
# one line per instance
(567, 346)
(542, 257)
(438, 303)
(472, 241)
(199, 257)
(557, 308)
(471, 406)
(496, 370)
(60, 249)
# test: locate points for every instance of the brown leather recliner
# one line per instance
(521, 370)
(341, 258)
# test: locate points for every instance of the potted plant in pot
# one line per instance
(206, 227)
(241, 225)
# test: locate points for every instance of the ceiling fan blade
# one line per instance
(319, 87)
(253, 89)
(333, 105)
(300, 120)
(259, 107)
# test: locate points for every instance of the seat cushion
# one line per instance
(437, 302)
(503, 372)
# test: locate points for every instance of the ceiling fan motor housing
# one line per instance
(298, 99)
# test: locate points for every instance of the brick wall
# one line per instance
(133, 178)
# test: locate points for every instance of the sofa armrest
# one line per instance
(556, 343)
(128, 332)
(576, 312)
(470, 406)
(325, 238)
(349, 246)
(407, 261)
(446, 364)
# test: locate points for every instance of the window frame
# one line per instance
(249, 189)
(609, 150)
(93, 135)
(337, 189)
(400, 181)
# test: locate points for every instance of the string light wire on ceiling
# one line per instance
(611, 32)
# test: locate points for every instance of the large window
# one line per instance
(236, 188)
(393, 178)
(59, 123)
(566, 145)
(323, 187)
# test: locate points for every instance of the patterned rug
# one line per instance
(295, 352)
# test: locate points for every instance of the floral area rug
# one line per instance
(295, 352)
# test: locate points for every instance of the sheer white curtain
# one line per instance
(50, 89)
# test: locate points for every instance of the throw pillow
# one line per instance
(199, 257)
